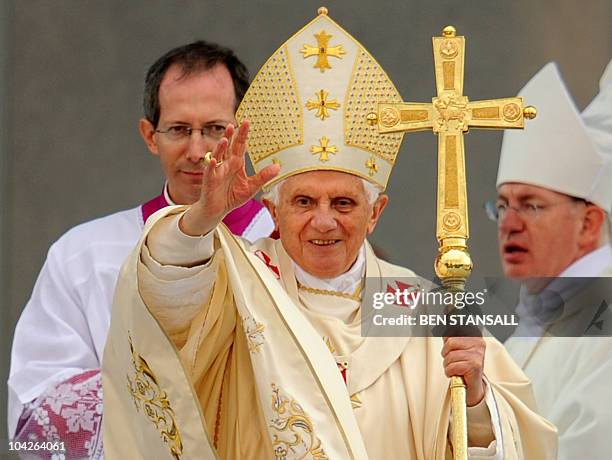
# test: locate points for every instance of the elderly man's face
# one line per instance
(323, 218)
(540, 244)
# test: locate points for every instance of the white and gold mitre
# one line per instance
(307, 107)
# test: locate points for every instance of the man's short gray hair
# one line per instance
(273, 194)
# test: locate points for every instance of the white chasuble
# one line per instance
(251, 374)
(571, 375)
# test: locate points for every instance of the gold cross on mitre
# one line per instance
(323, 149)
(322, 51)
(322, 104)
(449, 115)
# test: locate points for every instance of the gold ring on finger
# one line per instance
(208, 158)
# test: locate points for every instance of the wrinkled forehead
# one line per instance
(516, 191)
(313, 183)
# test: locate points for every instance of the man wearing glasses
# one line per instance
(554, 196)
(190, 96)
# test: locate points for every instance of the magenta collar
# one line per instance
(237, 221)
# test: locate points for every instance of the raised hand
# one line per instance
(464, 357)
(225, 183)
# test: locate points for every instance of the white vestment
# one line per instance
(62, 329)
(238, 362)
(571, 375)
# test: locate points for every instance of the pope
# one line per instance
(255, 351)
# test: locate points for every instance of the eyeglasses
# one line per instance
(181, 133)
(528, 211)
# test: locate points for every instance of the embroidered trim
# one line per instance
(343, 366)
(296, 437)
(253, 331)
(306, 358)
(146, 393)
(265, 258)
(355, 296)
(356, 402)
(330, 346)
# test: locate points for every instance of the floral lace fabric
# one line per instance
(67, 418)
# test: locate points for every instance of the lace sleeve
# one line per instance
(68, 414)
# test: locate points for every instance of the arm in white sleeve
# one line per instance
(176, 274)
(60, 328)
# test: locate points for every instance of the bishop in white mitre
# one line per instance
(564, 339)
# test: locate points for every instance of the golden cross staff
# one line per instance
(449, 115)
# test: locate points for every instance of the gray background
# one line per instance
(70, 98)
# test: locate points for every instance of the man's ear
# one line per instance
(593, 221)
(379, 205)
(272, 210)
(147, 132)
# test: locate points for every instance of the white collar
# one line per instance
(167, 195)
(347, 283)
(591, 264)
(537, 310)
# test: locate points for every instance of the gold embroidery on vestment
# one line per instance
(254, 333)
(329, 344)
(148, 395)
(356, 402)
(294, 435)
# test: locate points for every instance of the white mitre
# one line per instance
(598, 118)
(556, 150)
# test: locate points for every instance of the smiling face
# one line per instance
(323, 218)
(204, 98)
(545, 244)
